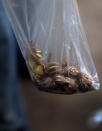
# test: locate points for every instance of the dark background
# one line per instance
(49, 112)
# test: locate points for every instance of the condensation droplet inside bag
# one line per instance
(54, 45)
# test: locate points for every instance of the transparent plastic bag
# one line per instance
(52, 40)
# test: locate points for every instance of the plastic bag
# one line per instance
(54, 45)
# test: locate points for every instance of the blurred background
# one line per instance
(82, 112)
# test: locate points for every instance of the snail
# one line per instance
(55, 76)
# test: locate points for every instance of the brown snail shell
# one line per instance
(73, 71)
(65, 81)
(35, 65)
(53, 68)
(85, 83)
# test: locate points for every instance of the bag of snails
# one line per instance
(54, 45)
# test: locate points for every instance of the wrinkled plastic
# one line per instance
(53, 27)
